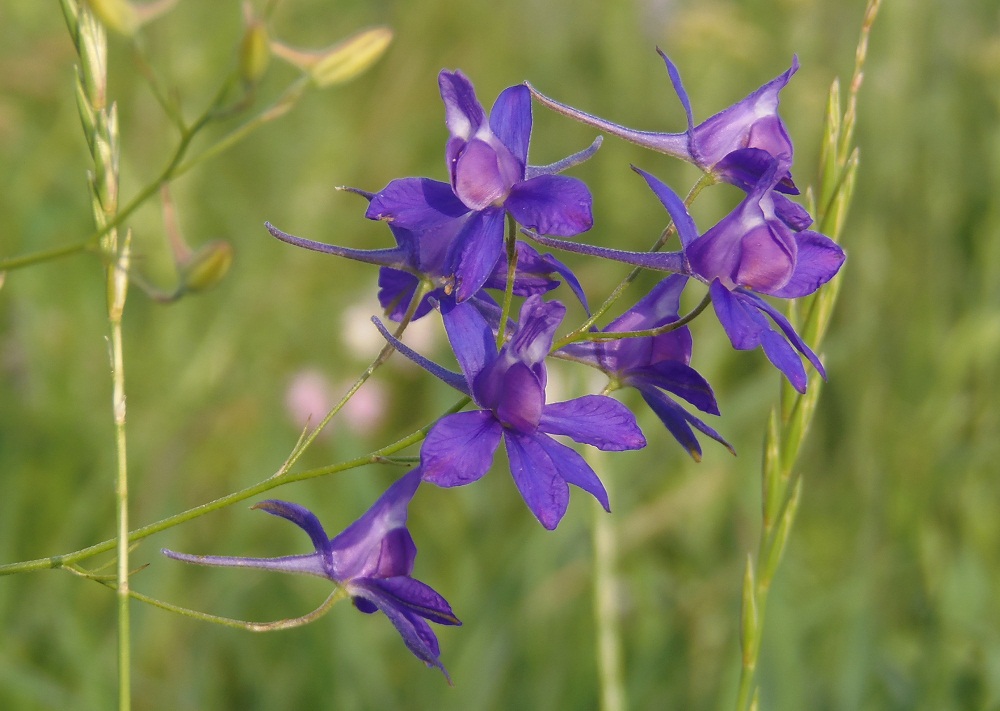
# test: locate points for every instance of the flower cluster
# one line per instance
(452, 249)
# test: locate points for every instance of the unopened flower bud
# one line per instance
(206, 267)
(341, 62)
(255, 49)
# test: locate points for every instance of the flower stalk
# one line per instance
(781, 480)
(100, 127)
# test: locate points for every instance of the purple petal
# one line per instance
(478, 180)
(366, 546)
(455, 380)
(534, 274)
(476, 251)
(676, 208)
(552, 204)
(573, 468)
(745, 248)
(680, 379)
(418, 597)
(510, 120)
(744, 167)
(785, 327)
(740, 316)
(394, 555)
(679, 421)
(792, 214)
(471, 339)
(396, 289)
(459, 448)
(521, 398)
(752, 122)
(657, 308)
(567, 275)
(675, 80)
(416, 633)
(537, 478)
(784, 358)
(300, 516)
(462, 110)
(740, 321)
(819, 258)
(766, 258)
(536, 329)
(418, 204)
(596, 420)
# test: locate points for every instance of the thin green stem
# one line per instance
(121, 496)
(607, 619)
(336, 596)
(387, 350)
(339, 593)
(45, 255)
(617, 335)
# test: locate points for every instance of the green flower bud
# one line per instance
(255, 49)
(341, 62)
(206, 267)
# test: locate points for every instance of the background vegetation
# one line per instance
(887, 598)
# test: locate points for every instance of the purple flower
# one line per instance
(751, 251)
(509, 387)
(451, 234)
(752, 122)
(655, 365)
(487, 159)
(372, 559)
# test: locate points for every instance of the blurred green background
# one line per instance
(888, 595)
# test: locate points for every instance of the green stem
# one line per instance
(25, 260)
(387, 350)
(606, 615)
(617, 335)
(121, 496)
(336, 596)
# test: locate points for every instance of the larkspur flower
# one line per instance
(751, 251)
(655, 365)
(509, 387)
(487, 161)
(451, 234)
(752, 122)
(372, 559)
